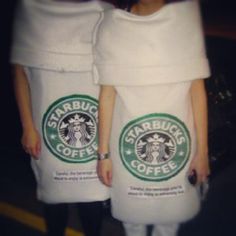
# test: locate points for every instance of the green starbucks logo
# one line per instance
(155, 147)
(70, 128)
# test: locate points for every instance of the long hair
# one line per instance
(71, 135)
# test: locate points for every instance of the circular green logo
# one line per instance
(70, 128)
(155, 147)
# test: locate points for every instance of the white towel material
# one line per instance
(151, 61)
(55, 35)
(166, 46)
(53, 43)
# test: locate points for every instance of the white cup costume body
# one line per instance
(53, 41)
(151, 61)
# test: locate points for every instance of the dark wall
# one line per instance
(9, 120)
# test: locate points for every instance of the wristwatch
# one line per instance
(103, 156)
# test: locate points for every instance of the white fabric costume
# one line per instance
(53, 41)
(151, 61)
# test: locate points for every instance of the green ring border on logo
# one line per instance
(152, 115)
(58, 101)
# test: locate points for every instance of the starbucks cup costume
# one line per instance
(152, 62)
(53, 41)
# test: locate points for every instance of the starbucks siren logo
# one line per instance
(155, 147)
(70, 128)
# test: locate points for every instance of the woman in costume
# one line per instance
(57, 100)
(152, 113)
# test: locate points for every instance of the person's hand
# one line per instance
(31, 142)
(200, 164)
(104, 169)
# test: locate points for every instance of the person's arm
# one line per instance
(30, 139)
(105, 113)
(199, 103)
